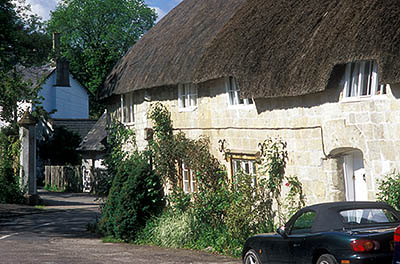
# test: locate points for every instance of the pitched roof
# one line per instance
(36, 74)
(168, 53)
(93, 139)
(78, 126)
(289, 48)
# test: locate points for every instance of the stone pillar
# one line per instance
(27, 134)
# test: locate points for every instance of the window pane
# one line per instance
(355, 77)
(193, 182)
(303, 223)
(125, 108)
(368, 216)
(362, 79)
(365, 78)
(185, 175)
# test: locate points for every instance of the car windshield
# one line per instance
(368, 216)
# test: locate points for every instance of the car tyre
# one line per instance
(251, 258)
(327, 259)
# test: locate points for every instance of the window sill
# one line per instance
(364, 98)
(131, 124)
(241, 106)
(187, 109)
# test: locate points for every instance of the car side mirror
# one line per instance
(281, 231)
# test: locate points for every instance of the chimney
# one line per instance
(62, 65)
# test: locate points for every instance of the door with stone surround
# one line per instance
(354, 177)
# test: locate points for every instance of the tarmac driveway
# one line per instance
(57, 234)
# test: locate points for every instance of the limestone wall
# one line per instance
(318, 128)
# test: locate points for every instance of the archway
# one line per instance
(354, 176)
(351, 161)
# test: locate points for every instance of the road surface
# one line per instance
(58, 234)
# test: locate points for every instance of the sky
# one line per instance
(43, 7)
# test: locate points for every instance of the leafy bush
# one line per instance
(389, 190)
(135, 196)
(171, 229)
(117, 136)
(10, 191)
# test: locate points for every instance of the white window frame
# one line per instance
(188, 180)
(233, 92)
(247, 166)
(127, 107)
(361, 81)
(187, 97)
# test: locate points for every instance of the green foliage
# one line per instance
(389, 189)
(179, 201)
(22, 39)
(22, 42)
(135, 196)
(272, 170)
(117, 136)
(171, 229)
(222, 214)
(96, 33)
(169, 149)
(295, 198)
(163, 145)
(9, 166)
(60, 148)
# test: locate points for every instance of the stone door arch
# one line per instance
(353, 173)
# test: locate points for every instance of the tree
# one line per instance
(23, 41)
(96, 33)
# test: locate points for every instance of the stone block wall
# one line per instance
(319, 129)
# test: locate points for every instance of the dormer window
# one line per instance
(187, 96)
(361, 79)
(233, 91)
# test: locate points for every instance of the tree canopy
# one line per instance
(96, 33)
(23, 41)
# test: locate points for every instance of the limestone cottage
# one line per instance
(322, 75)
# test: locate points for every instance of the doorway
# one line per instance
(355, 184)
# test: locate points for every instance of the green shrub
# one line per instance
(117, 136)
(10, 191)
(135, 196)
(389, 190)
(171, 229)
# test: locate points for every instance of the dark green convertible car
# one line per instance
(329, 233)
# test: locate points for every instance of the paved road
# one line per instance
(57, 234)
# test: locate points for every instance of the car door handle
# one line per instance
(296, 245)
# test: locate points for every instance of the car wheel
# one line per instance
(251, 258)
(326, 259)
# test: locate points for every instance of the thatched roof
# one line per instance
(169, 53)
(289, 48)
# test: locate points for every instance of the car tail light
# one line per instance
(364, 245)
(397, 234)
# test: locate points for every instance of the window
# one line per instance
(361, 79)
(233, 91)
(303, 223)
(127, 115)
(247, 166)
(189, 184)
(368, 216)
(187, 96)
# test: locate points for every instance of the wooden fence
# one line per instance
(68, 178)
